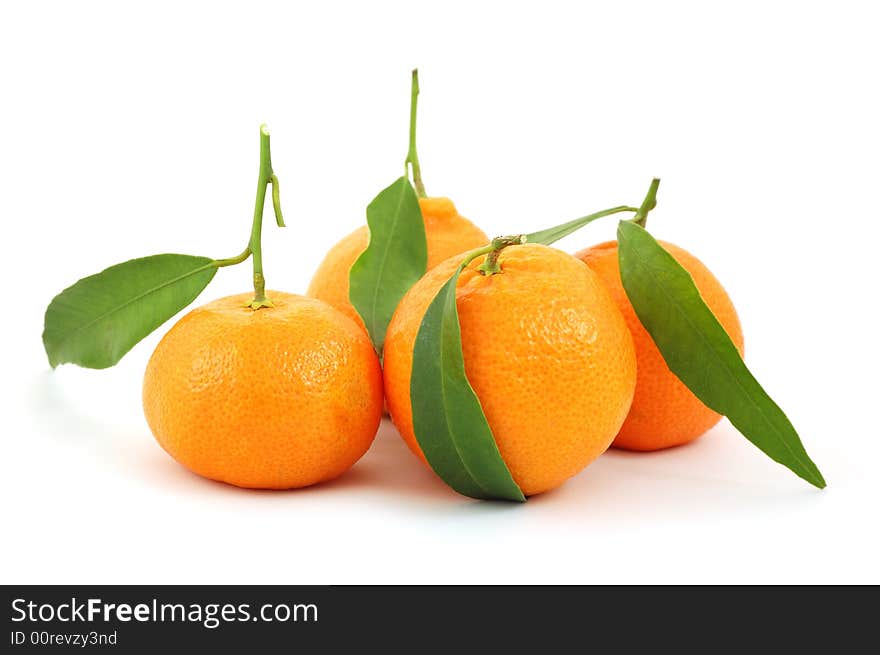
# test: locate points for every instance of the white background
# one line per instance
(126, 132)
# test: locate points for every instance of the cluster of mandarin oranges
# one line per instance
(292, 395)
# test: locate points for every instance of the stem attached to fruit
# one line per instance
(412, 157)
(648, 204)
(267, 176)
(491, 266)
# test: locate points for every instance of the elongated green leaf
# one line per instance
(100, 318)
(554, 234)
(395, 259)
(699, 351)
(447, 416)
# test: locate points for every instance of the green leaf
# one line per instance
(100, 318)
(554, 234)
(396, 257)
(448, 419)
(699, 351)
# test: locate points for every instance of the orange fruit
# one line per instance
(447, 234)
(664, 412)
(546, 350)
(280, 397)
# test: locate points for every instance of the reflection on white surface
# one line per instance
(719, 478)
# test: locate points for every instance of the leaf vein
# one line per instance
(128, 302)
(383, 263)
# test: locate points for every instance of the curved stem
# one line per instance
(412, 156)
(232, 261)
(266, 177)
(491, 265)
(276, 200)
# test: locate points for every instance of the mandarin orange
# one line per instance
(447, 234)
(664, 411)
(280, 397)
(546, 351)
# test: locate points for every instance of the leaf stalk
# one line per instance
(232, 261)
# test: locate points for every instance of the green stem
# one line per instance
(648, 203)
(266, 177)
(276, 200)
(493, 250)
(412, 157)
(232, 261)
